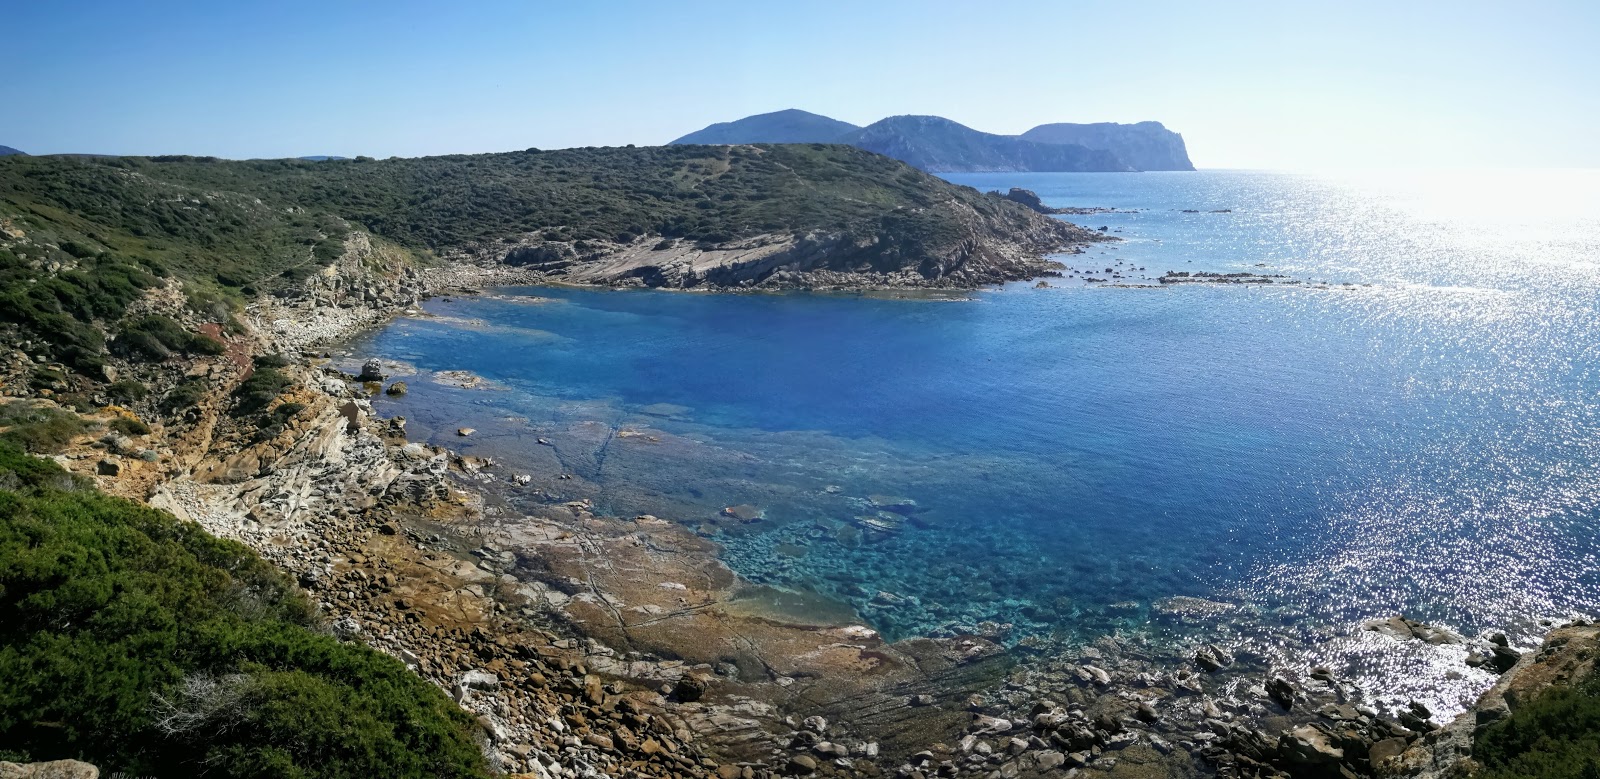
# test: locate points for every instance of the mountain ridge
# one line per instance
(941, 145)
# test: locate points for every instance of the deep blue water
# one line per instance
(1420, 436)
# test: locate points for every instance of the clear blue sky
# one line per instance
(1249, 84)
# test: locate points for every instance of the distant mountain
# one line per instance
(787, 126)
(6, 151)
(1146, 145)
(938, 145)
(321, 157)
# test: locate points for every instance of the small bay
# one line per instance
(1413, 427)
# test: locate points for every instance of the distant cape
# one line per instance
(6, 151)
(940, 145)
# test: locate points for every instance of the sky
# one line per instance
(1267, 85)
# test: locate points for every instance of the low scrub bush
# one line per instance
(147, 646)
(37, 428)
(1554, 736)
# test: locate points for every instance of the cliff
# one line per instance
(1145, 145)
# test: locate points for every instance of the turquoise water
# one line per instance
(1421, 436)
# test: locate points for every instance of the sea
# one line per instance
(1405, 420)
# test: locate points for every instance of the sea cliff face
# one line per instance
(1144, 145)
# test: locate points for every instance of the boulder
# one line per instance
(371, 370)
(1212, 658)
(1281, 692)
(1307, 745)
(801, 765)
(396, 389)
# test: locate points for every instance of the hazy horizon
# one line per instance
(1250, 85)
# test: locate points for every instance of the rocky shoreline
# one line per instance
(603, 646)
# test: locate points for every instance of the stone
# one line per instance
(108, 468)
(479, 679)
(689, 688)
(801, 765)
(1503, 658)
(371, 370)
(465, 431)
(1308, 745)
(1211, 658)
(1281, 692)
(398, 388)
(1385, 749)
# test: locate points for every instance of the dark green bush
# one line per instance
(1554, 736)
(127, 391)
(147, 646)
(257, 392)
(185, 396)
(129, 426)
(156, 338)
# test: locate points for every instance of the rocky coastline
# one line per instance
(602, 646)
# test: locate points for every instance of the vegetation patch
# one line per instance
(39, 428)
(1554, 736)
(144, 645)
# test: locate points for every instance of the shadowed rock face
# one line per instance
(1145, 145)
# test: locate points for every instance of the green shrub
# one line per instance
(257, 392)
(147, 646)
(38, 428)
(129, 426)
(185, 396)
(127, 391)
(156, 338)
(1554, 736)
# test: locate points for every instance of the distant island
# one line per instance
(6, 151)
(939, 145)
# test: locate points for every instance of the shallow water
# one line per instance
(1420, 436)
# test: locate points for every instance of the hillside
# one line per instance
(6, 151)
(82, 238)
(939, 145)
(787, 126)
(1145, 145)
